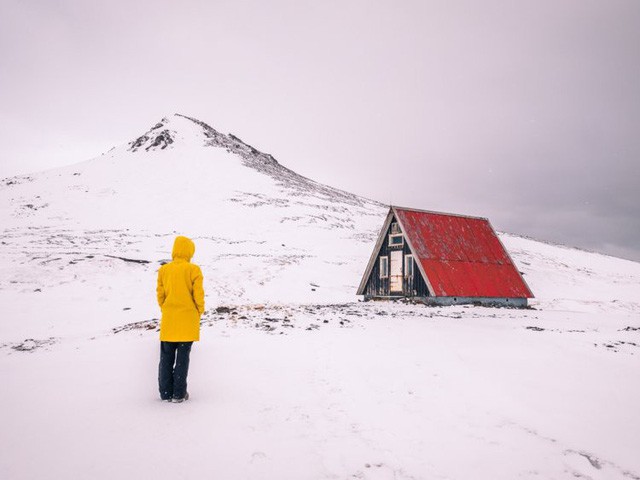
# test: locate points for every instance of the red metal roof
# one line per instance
(461, 256)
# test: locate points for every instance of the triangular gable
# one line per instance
(376, 251)
(374, 254)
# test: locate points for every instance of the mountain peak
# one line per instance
(180, 130)
(170, 130)
(167, 131)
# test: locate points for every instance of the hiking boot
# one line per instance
(180, 400)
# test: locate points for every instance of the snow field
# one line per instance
(388, 394)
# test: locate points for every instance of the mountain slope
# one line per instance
(263, 232)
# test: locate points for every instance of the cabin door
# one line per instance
(395, 272)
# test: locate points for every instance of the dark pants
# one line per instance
(173, 369)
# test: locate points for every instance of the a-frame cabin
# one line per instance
(442, 259)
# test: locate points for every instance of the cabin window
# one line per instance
(384, 267)
(395, 228)
(396, 240)
(408, 266)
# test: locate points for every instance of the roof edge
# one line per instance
(515, 267)
(427, 281)
(433, 212)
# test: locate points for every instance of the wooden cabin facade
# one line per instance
(441, 259)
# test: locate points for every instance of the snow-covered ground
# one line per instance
(294, 377)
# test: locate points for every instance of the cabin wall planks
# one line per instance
(413, 286)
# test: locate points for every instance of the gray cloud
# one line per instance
(525, 112)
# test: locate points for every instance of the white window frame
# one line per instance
(395, 228)
(384, 260)
(395, 235)
(407, 259)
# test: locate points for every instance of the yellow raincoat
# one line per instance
(180, 295)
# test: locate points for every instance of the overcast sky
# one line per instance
(526, 112)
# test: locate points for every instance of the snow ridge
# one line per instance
(267, 164)
(165, 134)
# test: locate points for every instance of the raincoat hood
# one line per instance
(183, 248)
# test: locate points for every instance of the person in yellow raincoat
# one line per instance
(181, 298)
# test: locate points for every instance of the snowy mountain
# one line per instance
(262, 232)
(294, 378)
